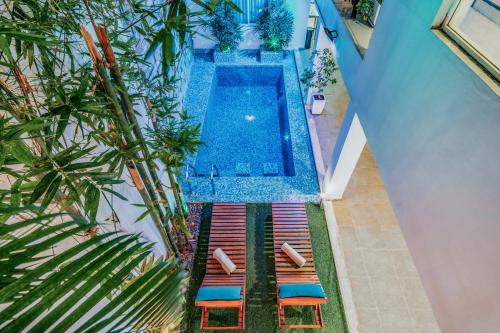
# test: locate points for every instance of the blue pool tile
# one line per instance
(252, 115)
(270, 169)
(242, 169)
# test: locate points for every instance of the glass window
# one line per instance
(475, 26)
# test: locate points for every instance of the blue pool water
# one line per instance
(246, 130)
(254, 130)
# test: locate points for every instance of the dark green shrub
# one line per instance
(225, 27)
(275, 25)
(365, 9)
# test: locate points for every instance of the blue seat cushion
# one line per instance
(219, 294)
(301, 290)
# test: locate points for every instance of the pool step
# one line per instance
(270, 169)
(242, 169)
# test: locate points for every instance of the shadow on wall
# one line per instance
(251, 40)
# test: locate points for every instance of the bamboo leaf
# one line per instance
(42, 186)
(72, 153)
(203, 5)
(79, 166)
(20, 152)
(155, 43)
(3, 154)
(233, 6)
(29, 37)
(92, 196)
(51, 191)
(142, 216)
(63, 123)
(115, 193)
(5, 48)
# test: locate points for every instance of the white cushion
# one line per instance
(294, 255)
(226, 263)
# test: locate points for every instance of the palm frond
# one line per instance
(36, 286)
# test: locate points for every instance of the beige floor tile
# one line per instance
(369, 321)
(397, 320)
(342, 212)
(388, 293)
(355, 263)
(362, 215)
(379, 263)
(415, 294)
(393, 238)
(348, 237)
(384, 214)
(425, 322)
(403, 262)
(371, 237)
(363, 297)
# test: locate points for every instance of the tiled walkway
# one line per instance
(386, 288)
(325, 126)
(328, 123)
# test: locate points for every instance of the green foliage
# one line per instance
(40, 285)
(173, 139)
(365, 9)
(224, 26)
(323, 72)
(275, 25)
(62, 149)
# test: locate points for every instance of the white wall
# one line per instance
(433, 126)
(339, 175)
(204, 40)
(300, 10)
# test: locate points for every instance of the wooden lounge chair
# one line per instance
(228, 232)
(290, 225)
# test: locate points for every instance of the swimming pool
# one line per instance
(246, 130)
(256, 143)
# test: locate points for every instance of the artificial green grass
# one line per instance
(261, 307)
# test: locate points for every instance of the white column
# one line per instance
(300, 10)
(336, 181)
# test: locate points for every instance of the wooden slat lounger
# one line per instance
(228, 232)
(290, 225)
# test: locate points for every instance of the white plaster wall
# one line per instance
(204, 40)
(300, 10)
(346, 163)
(433, 126)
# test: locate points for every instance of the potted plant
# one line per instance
(365, 10)
(319, 77)
(225, 28)
(275, 29)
